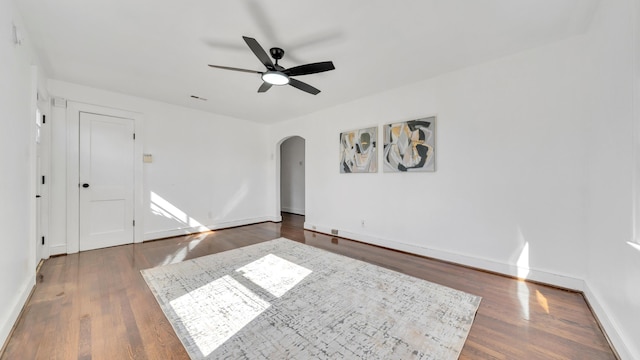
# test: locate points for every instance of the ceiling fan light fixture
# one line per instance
(278, 75)
(275, 78)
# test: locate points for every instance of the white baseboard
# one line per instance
(57, 249)
(292, 210)
(563, 281)
(197, 229)
(14, 311)
(610, 326)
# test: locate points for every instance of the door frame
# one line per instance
(42, 189)
(41, 212)
(278, 165)
(73, 169)
(279, 178)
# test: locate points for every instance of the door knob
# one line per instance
(85, 185)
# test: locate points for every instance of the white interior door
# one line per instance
(106, 181)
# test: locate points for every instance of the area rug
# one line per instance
(285, 300)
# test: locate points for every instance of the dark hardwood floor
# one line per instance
(95, 304)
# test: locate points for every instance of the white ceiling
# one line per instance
(159, 49)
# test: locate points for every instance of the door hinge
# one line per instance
(43, 240)
(134, 223)
(134, 136)
(42, 179)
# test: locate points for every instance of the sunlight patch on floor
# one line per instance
(225, 306)
(181, 254)
(229, 308)
(542, 301)
(274, 274)
(523, 272)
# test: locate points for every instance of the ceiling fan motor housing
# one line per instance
(276, 53)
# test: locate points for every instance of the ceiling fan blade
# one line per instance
(235, 69)
(259, 52)
(303, 86)
(264, 87)
(310, 68)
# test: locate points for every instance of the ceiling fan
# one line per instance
(278, 75)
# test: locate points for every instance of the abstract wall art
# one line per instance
(358, 151)
(410, 145)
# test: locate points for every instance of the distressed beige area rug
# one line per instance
(285, 300)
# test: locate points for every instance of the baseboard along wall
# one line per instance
(608, 325)
(198, 229)
(292, 210)
(14, 312)
(58, 249)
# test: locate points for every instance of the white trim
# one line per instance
(14, 311)
(198, 229)
(44, 107)
(138, 195)
(635, 113)
(73, 164)
(563, 281)
(278, 155)
(32, 262)
(601, 312)
(610, 326)
(293, 210)
(73, 151)
(58, 249)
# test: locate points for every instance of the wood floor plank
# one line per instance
(96, 305)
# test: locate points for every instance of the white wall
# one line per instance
(534, 149)
(534, 169)
(613, 278)
(510, 167)
(17, 168)
(292, 164)
(208, 170)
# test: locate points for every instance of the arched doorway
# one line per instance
(292, 175)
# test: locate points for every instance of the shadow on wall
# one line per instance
(161, 207)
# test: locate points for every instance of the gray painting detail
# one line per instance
(285, 300)
(410, 145)
(359, 151)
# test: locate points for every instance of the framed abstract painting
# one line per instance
(410, 146)
(359, 151)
